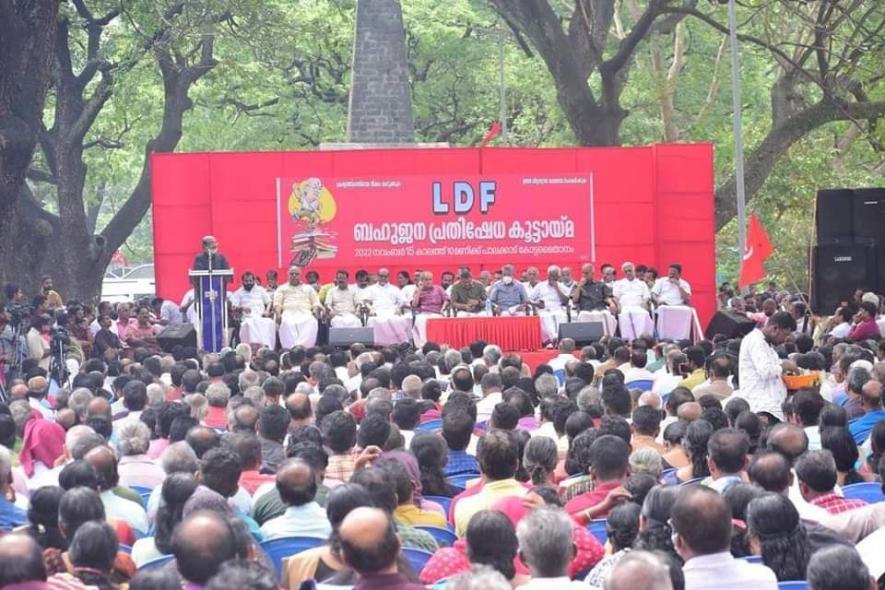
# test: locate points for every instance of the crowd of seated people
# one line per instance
(640, 464)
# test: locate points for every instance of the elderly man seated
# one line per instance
(428, 302)
(632, 296)
(341, 303)
(550, 299)
(508, 297)
(594, 301)
(672, 295)
(295, 305)
(256, 327)
(385, 302)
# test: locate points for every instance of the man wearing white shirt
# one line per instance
(673, 297)
(254, 302)
(632, 296)
(341, 303)
(294, 306)
(303, 517)
(550, 298)
(761, 369)
(701, 521)
(385, 303)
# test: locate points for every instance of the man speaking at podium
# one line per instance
(210, 257)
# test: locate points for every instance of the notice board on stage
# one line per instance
(432, 220)
(438, 209)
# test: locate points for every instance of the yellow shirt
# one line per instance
(484, 500)
(296, 299)
(693, 380)
(414, 516)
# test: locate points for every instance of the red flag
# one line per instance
(756, 251)
(494, 131)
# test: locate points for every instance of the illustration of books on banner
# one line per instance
(311, 206)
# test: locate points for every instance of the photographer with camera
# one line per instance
(12, 347)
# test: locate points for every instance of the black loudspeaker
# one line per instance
(729, 323)
(177, 335)
(839, 269)
(582, 332)
(348, 336)
(869, 215)
(834, 215)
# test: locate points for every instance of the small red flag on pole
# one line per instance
(493, 132)
(756, 252)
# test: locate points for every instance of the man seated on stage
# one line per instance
(295, 305)
(428, 302)
(672, 294)
(341, 303)
(468, 296)
(594, 301)
(256, 325)
(508, 297)
(550, 299)
(361, 293)
(385, 304)
(632, 296)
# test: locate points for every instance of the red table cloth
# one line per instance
(510, 333)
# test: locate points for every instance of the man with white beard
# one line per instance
(385, 303)
(252, 300)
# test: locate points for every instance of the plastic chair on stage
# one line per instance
(441, 500)
(429, 426)
(443, 536)
(145, 494)
(642, 385)
(870, 492)
(598, 529)
(793, 585)
(417, 558)
(279, 549)
(156, 563)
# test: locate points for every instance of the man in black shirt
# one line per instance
(594, 300)
(210, 254)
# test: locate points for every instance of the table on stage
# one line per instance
(509, 333)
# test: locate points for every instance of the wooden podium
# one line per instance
(210, 304)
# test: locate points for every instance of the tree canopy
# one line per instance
(122, 79)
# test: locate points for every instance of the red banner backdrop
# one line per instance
(358, 209)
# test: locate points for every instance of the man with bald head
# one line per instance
(871, 402)
(99, 406)
(639, 570)
(201, 543)
(369, 545)
(300, 410)
(105, 463)
(689, 411)
(21, 564)
(243, 419)
(38, 389)
(297, 485)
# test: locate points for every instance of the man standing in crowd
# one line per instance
(761, 369)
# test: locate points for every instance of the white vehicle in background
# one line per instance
(129, 284)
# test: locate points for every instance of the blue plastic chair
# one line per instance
(127, 549)
(441, 500)
(156, 563)
(870, 492)
(460, 480)
(443, 536)
(429, 426)
(417, 558)
(145, 494)
(752, 558)
(597, 528)
(793, 585)
(560, 376)
(640, 384)
(279, 549)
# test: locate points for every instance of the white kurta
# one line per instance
(254, 327)
(668, 293)
(343, 304)
(632, 296)
(298, 326)
(553, 312)
(391, 327)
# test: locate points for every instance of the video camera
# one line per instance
(19, 312)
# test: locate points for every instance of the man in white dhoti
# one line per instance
(295, 305)
(468, 297)
(428, 302)
(385, 303)
(341, 303)
(253, 302)
(672, 294)
(594, 301)
(632, 296)
(550, 299)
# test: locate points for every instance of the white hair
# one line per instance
(198, 405)
(156, 394)
(546, 385)
(639, 570)
(133, 438)
(179, 457)
(626, 264)
(552, 268)
(247, 379)
(256, 395)
(218, 394)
